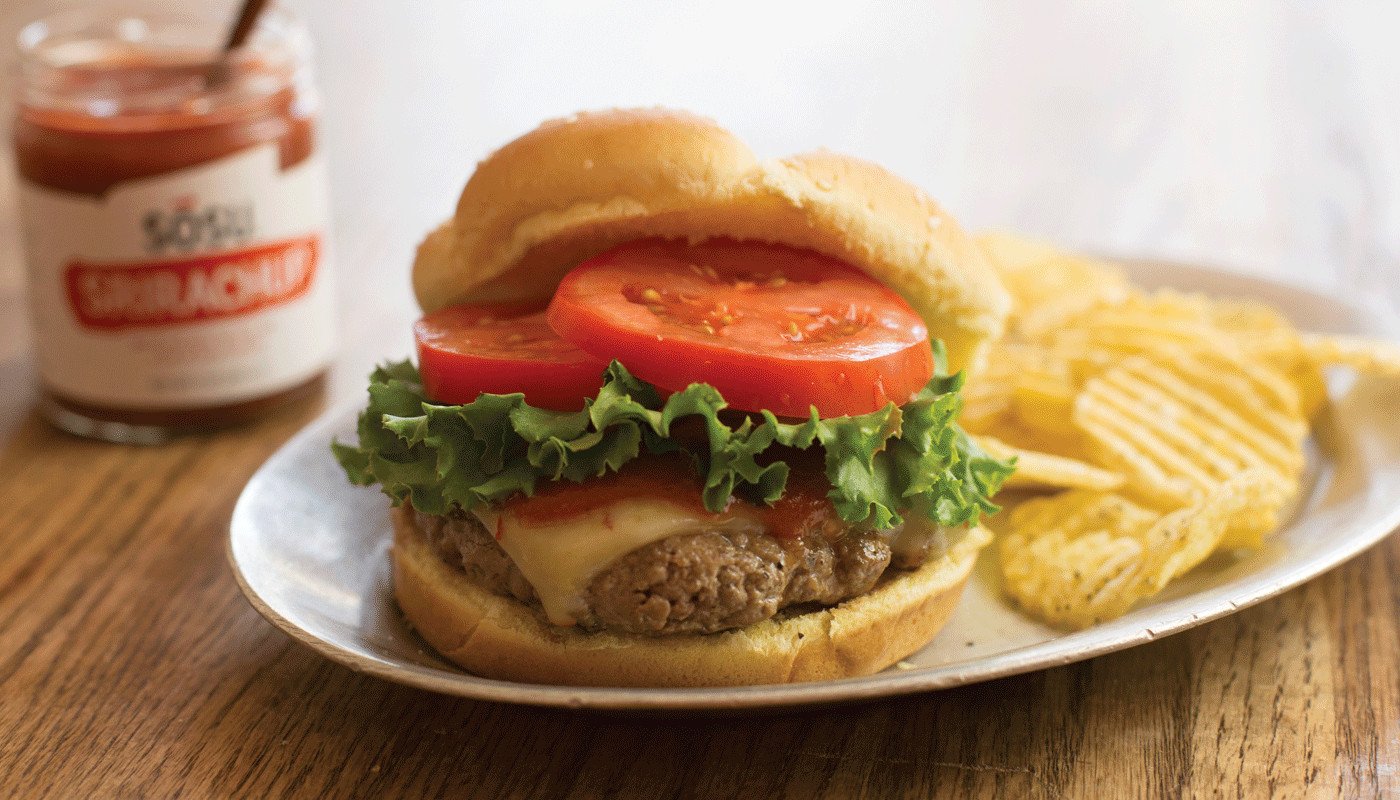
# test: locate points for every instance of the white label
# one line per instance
(195, 288)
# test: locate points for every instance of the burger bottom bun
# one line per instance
(500, 637)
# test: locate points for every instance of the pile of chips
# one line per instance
(1150, 429)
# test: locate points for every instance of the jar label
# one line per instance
(233, 284)
(200, 287)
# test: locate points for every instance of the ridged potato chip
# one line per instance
(1177, 428)
(1365, 355)
(1024, 395)
(1257, 329)
(988, 391)
(1191, 410)
(1083, 557)
(1265, 336)
(1038, 470)
(1048, 284)
(1010, 252)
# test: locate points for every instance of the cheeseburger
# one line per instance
(681, 417)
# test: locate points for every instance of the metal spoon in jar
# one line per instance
(221, 70)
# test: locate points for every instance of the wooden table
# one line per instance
(130, 665)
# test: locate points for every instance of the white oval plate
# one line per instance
(310, 552)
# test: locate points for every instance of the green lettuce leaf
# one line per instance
(880, 465)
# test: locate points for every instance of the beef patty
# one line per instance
(701, 582)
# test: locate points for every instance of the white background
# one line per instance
(1260, 135)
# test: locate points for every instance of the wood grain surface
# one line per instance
(130, 665)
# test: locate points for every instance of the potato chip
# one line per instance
(1011, 252)
(1017, 377)
(1155, 364)
(1363, 355)
(1047, 284)
(1307, 378)
(1177, 429)
(1257, 329)
(1044, 470)
(1266, 338)
(1199, 422)
(1067, 442)
(1043, 395)
(1023, 396)
(988, 391)
(1083, 557)
(1163, 324)
(1176, 395)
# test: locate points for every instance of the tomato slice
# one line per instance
(770, 327)
(464, 351)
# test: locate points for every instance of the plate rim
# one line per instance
(1065, 649)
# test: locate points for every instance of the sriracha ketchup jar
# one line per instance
(174, 220)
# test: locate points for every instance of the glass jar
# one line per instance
(175, 219)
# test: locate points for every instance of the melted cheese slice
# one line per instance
(561, 558)
(919, 535)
